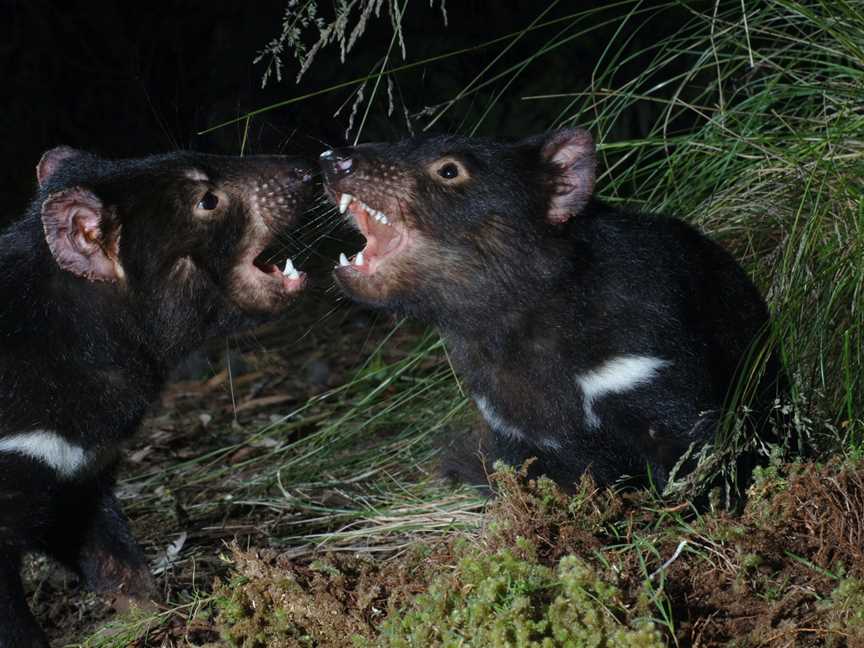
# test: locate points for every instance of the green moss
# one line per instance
(751, 562)
(230, 610)
(504, 600)
(324, 567)
(272, 607)
(846, 608)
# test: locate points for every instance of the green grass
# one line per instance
(755, 133)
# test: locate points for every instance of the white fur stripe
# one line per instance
(613, 377)
(197, 175)
(500, 426)
(495, 422)
(48, 447)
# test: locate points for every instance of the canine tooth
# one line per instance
(384, 219)
(344, 202)
(290, 270)
(343, 260)
(358, 260)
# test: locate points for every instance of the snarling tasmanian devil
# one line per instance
(589, 337)
(117, 271)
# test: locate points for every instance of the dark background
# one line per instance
(133, 78)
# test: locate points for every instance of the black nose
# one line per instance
(336, 164)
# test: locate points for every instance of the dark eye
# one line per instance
(209, 202)
(448, 171)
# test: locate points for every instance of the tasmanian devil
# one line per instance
(589, 337)
(117, 270)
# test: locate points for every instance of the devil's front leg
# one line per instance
(18, 627)
(25, 509)
(93, 538)
(110, 559)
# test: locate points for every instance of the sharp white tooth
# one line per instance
(358, 260)
(384, 219)
(289, 268)
(343, 260)
(294, 275)
(344, 202)
(377, 216)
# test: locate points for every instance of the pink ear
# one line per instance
(74, 222)
(571, 154)
(50, 160)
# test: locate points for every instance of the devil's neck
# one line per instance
(58, 320)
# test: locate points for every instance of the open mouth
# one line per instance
(386, 236)
(271, 271)
(263, 280)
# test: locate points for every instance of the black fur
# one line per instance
(84, 358)
(534, 282)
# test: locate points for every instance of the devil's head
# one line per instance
(177, 237)
(447, 219)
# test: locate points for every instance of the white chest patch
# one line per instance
(48, 447)
(614, 377)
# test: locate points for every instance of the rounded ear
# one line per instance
(75, 229)
(570, 156)
(50, 161)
